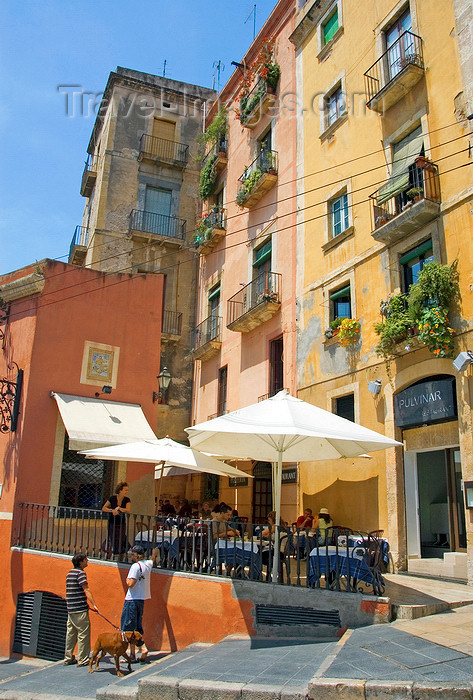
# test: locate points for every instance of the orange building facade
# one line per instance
(245, 339)
(59, 334)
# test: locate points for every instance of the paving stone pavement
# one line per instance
(401, 659)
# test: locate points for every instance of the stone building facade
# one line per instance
(141, 187)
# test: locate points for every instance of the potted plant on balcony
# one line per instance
(349, 331)
(247, 185)
(415, 194)
(264, 73)
(435, 331)
(333, 328)
(394, 328)
(203, 231)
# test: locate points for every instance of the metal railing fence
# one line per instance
(265, 287)
(406, 51)
(159, 224)
(162, 149)
(335, 559)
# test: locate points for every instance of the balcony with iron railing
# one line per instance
(219, 152)
(160, 225)
(89, 176)
(259, 101)
(161, 150)
(210, 230)
(255, 303)
(206, 338)
(336, 559)
(171, 329)
(395, 73)
(409, 209)
(257, 179)
(78, 247)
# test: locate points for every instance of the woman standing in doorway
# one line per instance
(116, 507)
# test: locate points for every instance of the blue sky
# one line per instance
(46, 43)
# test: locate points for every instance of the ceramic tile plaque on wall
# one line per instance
(99, 364)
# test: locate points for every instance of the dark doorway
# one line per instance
(262, 491)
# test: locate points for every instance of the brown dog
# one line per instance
(115, 644)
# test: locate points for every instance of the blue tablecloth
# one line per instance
(328, 560)
(245, 554)
(167, 544)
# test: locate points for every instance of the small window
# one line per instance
(413, 261)
(338, 215)
(222, 391)
(330, 27)
(276, 366)
(340, 303)
(214, 307)
(334, 106)
(344, 406)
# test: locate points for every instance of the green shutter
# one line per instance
(423, 248)
(404, 154)
(330, 27)
(262, 254)
(214, 293)
(340, 293)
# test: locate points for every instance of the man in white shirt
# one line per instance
(138, 582)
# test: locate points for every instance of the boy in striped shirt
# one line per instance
(78, 597)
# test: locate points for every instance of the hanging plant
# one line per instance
(208, 177)
(435, 331)
(348, 331)
(203, 231)
(217, 130)
(423, 311)
(264, 74)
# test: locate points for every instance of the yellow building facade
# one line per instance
(384, 188)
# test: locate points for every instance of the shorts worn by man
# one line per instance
(139, 590)
(78, 597)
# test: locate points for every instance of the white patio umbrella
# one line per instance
(283, 428)
(166, 453)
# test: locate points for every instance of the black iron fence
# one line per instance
(404, 52)
(172, 322)
(80, 238)
(337, 558)
(423, 183)
(265, 287)
(159, 224)
(162, 149)
(210, 329)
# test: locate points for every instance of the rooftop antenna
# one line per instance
(164, 68)
(253, 12)
(218, 68)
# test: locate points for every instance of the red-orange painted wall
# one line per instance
(45, 335)
(182, 609)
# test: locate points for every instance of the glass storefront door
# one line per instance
(440, 502)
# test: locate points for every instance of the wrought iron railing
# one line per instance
(335, 559)
(266, 161)
(266, 287)
(172, 322)
(210, 329)
(404, 52)
(424, 183)
(219, 147)
(91, 163)
(162, 149)
(161, 225)
(215, 219)
(80, 237)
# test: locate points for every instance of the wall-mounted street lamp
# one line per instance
(164, 380)
(468, 490)
(105, 390)
(10, 395)
(463, 361)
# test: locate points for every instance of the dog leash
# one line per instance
(109, 622)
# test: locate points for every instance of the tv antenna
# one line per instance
(253, 12)
(218, 68)
(164, 68)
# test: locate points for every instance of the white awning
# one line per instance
(93, 423)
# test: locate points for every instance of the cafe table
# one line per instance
(350, 562)
(237, 552)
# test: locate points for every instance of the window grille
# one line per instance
(85, 483)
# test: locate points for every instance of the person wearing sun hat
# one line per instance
(322, 523)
